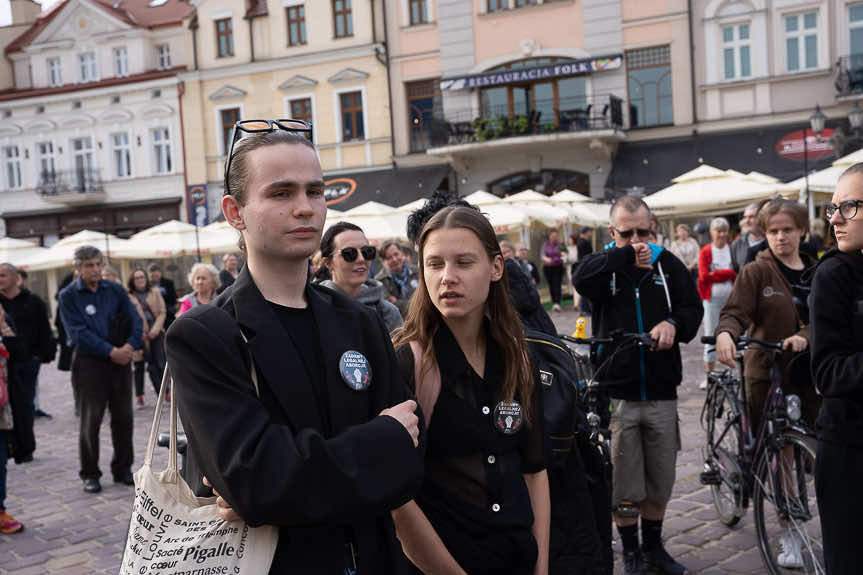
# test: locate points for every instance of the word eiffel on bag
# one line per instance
(173, 531)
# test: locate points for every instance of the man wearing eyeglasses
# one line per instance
(328, 444)
(836, 313)
(635, 286)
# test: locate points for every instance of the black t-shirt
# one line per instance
(799, 291)
(300, 325)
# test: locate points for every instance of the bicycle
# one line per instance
(774, 467)
(592, 432)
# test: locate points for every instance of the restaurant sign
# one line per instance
(556, 70)
(791, 146)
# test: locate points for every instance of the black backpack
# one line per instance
(580, 539)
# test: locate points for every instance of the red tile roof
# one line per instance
(8, 95)
(137, 13)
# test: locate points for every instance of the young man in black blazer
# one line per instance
(329, 446)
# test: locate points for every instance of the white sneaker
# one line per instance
(703, 384)
(790, 556)
(556, 307)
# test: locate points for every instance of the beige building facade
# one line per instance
(90, 132)
(321, 61)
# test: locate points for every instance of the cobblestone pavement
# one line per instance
(71, 532)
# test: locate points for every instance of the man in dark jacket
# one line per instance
(639, 287)
(37, 344)
(836, 315)
(523, 294)
(328, 447)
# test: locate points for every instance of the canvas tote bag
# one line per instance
(173, 531)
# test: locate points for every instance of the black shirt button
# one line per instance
(491, 459)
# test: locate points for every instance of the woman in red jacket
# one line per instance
(715, 281)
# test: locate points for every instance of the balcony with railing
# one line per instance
(849, 75)
(77, 186)
(498, 122)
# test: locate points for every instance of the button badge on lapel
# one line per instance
(507, 417)
(355, 370)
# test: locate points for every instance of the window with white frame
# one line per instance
(161, 138)
(163, 56)
(855, 24)
(121, 154)
(87, 65)
(121, 61)
(45, 161)
(13, 167)
(55, 72)
(736, 51)
(801, 41)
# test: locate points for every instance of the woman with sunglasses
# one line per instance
(484, 503)
(715, 282)
(346, 256)
(837, 367)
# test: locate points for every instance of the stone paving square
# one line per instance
(71, 532)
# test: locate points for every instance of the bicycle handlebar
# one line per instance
(745, 341)
(641, 338)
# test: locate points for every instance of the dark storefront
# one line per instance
(651, 165)
(122, 220)
(393, 187)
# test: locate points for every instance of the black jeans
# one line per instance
(838, 475)
(554, 277)
(155, 361)
(102, 383)
(22, 390)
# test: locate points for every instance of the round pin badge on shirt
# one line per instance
(355, 370)
(90, 309)
(507, 417)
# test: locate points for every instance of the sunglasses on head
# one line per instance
(350, 254)
(626, 234)
(262, 127)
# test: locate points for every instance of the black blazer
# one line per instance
(272, 458)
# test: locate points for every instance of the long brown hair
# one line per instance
(423, 318)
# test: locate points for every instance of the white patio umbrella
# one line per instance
(539, 209)
(378, 221)
(62, 253)
(709, 190)
(504, 218)
(567, 197)
(219, 238)
(19, 252)
(593, 214)
(167, 240)
(823, 182)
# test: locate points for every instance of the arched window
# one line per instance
(545, 182)
(544, 97)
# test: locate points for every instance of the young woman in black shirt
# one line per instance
(484, 504)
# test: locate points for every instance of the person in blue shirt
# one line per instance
(104, 328)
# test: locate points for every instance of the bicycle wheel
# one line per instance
(723, 433)
(786, 511)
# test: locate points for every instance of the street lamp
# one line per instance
(855, 117)
(816, 121)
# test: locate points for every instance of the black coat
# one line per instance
(525, 299)
(274, 459)
(634, 300)
(33, 325)
(836, 333)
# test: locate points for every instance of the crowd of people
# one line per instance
(396, 424)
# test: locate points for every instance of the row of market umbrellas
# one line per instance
(175, 239)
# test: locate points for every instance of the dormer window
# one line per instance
(87, 67)
(121, 62)
(55, 75)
